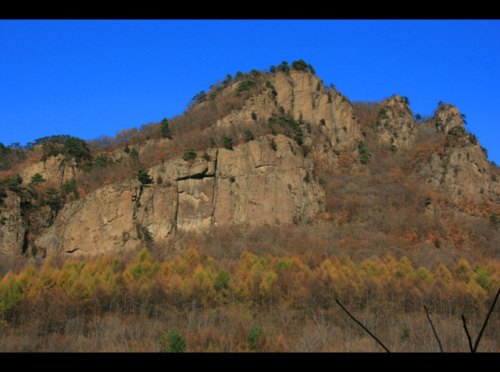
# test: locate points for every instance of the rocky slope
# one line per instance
(270, 180)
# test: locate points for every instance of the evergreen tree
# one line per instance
(144, 177)
(364, 152)
(173, 342)
(36, 179)
(228, 143)
(77, 149)
(190, 154)
(165, 130)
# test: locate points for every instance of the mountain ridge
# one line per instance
(270, 149)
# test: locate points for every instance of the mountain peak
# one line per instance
(261, 149)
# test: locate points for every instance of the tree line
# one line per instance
(58, 292)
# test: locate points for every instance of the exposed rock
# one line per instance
(12, 227)
(461, 168)
(98, 223)
(326, 116)
(395, 126)
(55, 170)
(304, 96)
(266, 181)
(447, 117)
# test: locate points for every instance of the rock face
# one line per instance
(12, 227)
(395, 125)
(56, 170)
(101, 222)
(327, 115)
(461, 169)
(263, 182)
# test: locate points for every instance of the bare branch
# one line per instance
(468, 335)
(362, 326)
(473, 349)
(486, 321)
(432, 325)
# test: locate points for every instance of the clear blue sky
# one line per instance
(88, 78)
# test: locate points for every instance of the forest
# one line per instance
(379, 252)
(273, 303)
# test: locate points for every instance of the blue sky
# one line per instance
(88, 78)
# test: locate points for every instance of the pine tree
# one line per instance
(173, 342)
(144, 177)
(165, 129)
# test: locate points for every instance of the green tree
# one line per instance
(10, 294)
(244, 85)
(13, 184)
(364, 152)
(189, 154)
(284, 67)
(36, 179)
(69, 186)
(100, 162)
(77, 149)
(144, 234)
(173, 342)
(134, 154)
(228, 143)
(165, 129)
(53, 199)
(144, 177)
(257, 338)
(222, 280)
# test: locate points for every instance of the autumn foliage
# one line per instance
(249, 303)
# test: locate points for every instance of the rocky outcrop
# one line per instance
(268, 181)
(55, 170)
(326, 116)
(12, 227)
(395, 126)
(461, 168)
(100, 222)
(265, 182)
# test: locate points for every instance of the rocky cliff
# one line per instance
(263, 182)
(268, 180)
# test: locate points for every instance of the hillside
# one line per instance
(366, 200)
(297, 153)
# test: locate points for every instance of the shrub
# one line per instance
(256, 338)
(456, 130)
(228, 143)
(144, 234)
(190, 154)
(248, 135)
(244, 85)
